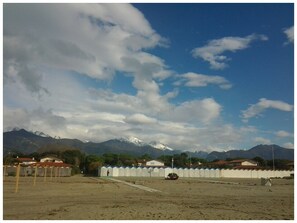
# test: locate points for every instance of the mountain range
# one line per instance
(21, 140)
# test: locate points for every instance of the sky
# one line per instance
(196, 77)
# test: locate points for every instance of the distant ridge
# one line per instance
(20, 140)
(264, 151)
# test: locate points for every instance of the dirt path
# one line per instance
(133, 185)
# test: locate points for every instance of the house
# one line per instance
(141, 162)
(51, 159)
(243, 162)
(25, 160)
(218, 164)
(154, 163)
(52, 164)
(235, 164)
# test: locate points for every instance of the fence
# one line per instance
(185, 172)
(41, 171)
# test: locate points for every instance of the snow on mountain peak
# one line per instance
(135, 140)
(139, 142)
(159, 145)
(41, 134)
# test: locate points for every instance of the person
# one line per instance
(107, 172)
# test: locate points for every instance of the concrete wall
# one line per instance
(187, 173)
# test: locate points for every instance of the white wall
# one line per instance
(186, 173)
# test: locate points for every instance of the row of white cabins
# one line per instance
(156, 168)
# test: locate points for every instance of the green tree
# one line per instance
(260, 161)
(145, 157)
(110, 159)
(92, 162)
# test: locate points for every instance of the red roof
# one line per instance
(51, 164)
(24, 159)
(247, 167)
(220, 162)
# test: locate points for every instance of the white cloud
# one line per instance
(200, 80)
(283, 134)
(213, 51)
(203, 111)
(264, 104)
(140, 119)
(46, 44)
(288, 145)
(289, 32)
(262, 140)
(43, 35)
(37, 119)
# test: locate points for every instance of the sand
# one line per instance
(83, 198)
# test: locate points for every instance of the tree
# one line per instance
(261, 162)
(92, 162)
(145, 157)
(110, 159)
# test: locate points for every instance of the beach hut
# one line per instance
(211, 173)
(133, 172)
(121, 172)
(167, 170)
(186, 172)
(206, 173)
(115, 172)
(138, 172)
(191, 172)
(161, 172)
(127, 172)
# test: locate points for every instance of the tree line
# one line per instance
(88, 164)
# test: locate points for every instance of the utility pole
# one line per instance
(172, 164)
(273, 158)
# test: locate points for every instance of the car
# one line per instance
(172, 176)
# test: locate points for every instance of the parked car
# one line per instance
(172, 176)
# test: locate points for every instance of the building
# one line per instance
(154, 163)
(218, 164)
(51, 159)
(242, 162)
(25, 160)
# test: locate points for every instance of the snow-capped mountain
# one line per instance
(139, 142)
(133, 140)
(41, 134)
(160, 146)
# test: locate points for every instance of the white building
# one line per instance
(25, 160)
(243, 162)
(154, 163)
(51, 159)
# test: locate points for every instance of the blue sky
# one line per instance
(192, 76)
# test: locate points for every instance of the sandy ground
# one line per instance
(83, 198)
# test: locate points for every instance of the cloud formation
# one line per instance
(257, 109)
(288, 145)
(261, 140)
(289, 32)
(213, 51)
(140, 119)
(66, 67)
(283, 134)
(42, 36)
(200, 80)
